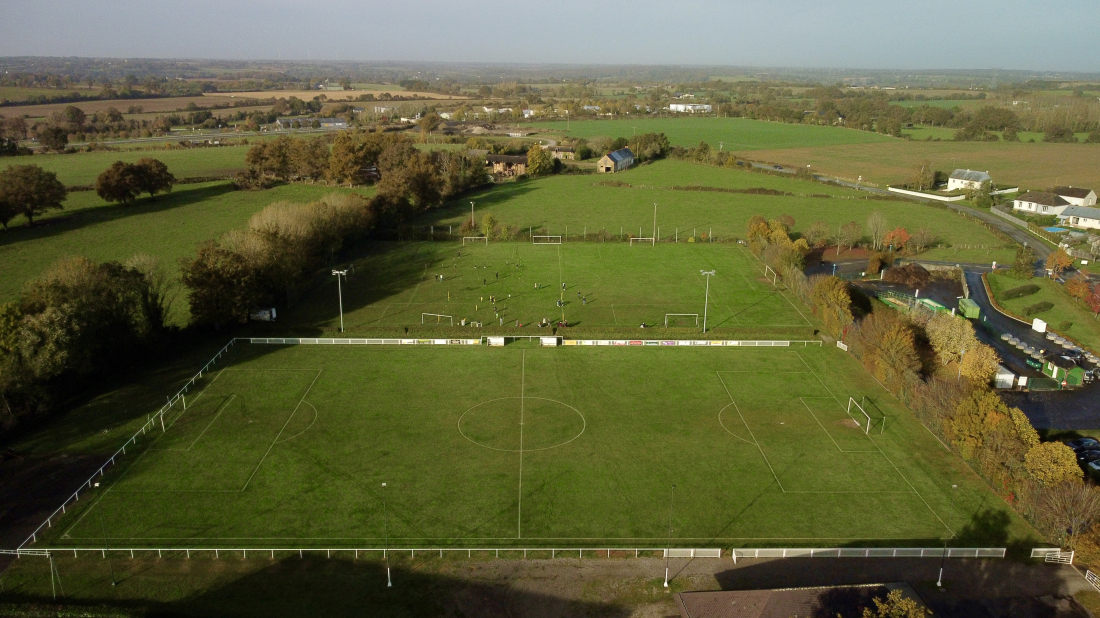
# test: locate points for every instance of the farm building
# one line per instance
(691, 108)
(561, 152)
(617, 161)
(298, 122)
(966, 180)
(1040, 202)
(333, 123)
(1076, 196)
(1080, 216)
(508, 165)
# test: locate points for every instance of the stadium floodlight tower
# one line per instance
(706, 300)
(386, 524)
(340, 294)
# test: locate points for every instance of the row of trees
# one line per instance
(124, 182)
(916, 356)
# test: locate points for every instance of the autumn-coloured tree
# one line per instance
(980, 363)
(898, 237)
(1052, 463)
(1077, 287)
(832, 303)
(1093, 300)
(1058, 261)
(849, 234)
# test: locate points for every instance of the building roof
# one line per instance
(1046, 198)
(1081, 211)
(970, 175)
(506, 158)
(1078, 192)
(620, 155)
(560, 148)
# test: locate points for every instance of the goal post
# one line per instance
(546, 240)
(673, 316)
(439, 317)
(853, 403)
(475, 238)
(774, 275)
(652, 241)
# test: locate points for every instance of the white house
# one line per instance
(446, 115)
(1076, 196)
(1040, 203)
(1081, 216)
(528, 113)
(967, 180)
(690, 107)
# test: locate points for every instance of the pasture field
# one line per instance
(82, 168)
(1030, 166)
(534, 447)
(1083, 325)
(169, 227)
(578, 202)
(331, 95)
(599, 285)
(161, 105)
(738, 134)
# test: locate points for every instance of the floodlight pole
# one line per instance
(340, 294)
(943, 558)
(386, 527)
(668, 549)
(706, 300)
(107, 550)
(472, 215)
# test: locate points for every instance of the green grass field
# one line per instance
(82, 168)
(536, 447)
(169, 227)
(736, 133)
(579, 203)
(607, 286)
(1084, 328)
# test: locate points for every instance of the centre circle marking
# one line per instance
(584, 425)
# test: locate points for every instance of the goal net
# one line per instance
(674, 318)
(546, 240)
(651, 241)
(475, 239)
(866, 426)
(439, 317)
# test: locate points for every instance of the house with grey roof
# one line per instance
(1076, 196)
(1081, 217)
(967, 180)
(617, 161)
(1040, 203)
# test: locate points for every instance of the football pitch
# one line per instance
(523, 446)
(587, 285)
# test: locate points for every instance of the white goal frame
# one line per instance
(673, 315)
(437, 316)
(775, 275)
(465, 238)
(535, 240)
(852, 402)
(652, 241)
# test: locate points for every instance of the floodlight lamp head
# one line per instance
(339, 272)
(383, 484)
(706, 272)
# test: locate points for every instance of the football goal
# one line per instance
(652, 241)
(546, 240)
(774, 275)
(673, 318)
(853, 403)
(439, 317)
(475, 238)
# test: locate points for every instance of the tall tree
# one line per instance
(849, 234)
(1023, 267)
(30, 191)
(876, 228)
(539, 162)
(1077, 287)
(118, 183)
(832, 303)
(54, 138)
(153, 177)
(1058, 261)
(924, 176)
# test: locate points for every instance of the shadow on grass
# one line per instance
(62, 223)
(290, 586)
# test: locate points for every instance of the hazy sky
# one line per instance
(912, 34)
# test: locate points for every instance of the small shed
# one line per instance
(1004, 378)
(969, 309)
(617, 161)
(1064, 370)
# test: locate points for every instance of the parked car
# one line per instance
(1083, 444)
(1086, 457)
(1093, 469)
(778, 167)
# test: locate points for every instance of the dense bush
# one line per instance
(1038, 308)
(1020, 291)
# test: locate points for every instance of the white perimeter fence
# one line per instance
(555, 552)
(158, 417)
